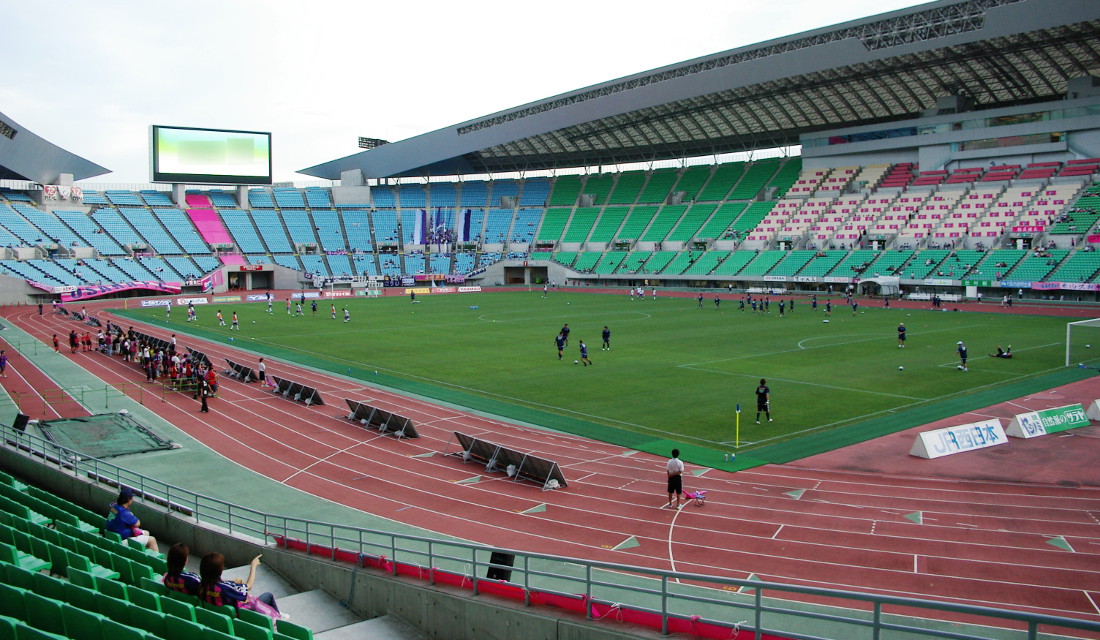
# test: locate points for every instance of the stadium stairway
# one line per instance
(320, 612)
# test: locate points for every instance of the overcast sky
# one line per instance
(92, 76)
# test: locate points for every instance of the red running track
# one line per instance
(822, 521)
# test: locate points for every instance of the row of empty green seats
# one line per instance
(608, 224)
(609, 262)
(720, 184)
(733, 265)
(1035, 267)
(553, 224)
(659, 186)
(1080, 267)
(721, 220)
(925, 263)
(659, 261)
(639, 218)
(692, 180)
(663, 223)
(751, 216)
(565, 257)
(997, 263)
(853, 262)
(634, 261)
(599, 186)
(586, 260)
(786, 176)
(566, 191)
(792, 263)
(754, 180)
(693, 220)
(764, 262)
(705, 262)
(627, 187)
(581, 224)
(822, 263)
(888, 262)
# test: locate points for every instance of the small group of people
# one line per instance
(208, 585)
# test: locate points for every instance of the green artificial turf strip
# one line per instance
(675, 372)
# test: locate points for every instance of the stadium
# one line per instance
(440, 383)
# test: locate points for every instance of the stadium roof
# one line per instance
(889, 67)
(25, 156)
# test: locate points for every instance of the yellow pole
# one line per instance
(737, 429)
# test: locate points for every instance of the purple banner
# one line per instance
(86, 292)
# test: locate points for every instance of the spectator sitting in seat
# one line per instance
(215, 591)
(177, 578)
(123, 521)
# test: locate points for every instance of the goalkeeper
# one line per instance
(763, 397)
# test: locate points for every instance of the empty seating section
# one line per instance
(658, 187)
(527, 221)
(1037, 266)
(535, 193)
(553, 224)
(318, 198)
(627, 187)
(327, 226)
(663, 222)
(134, 269)
(288, 198)
(822, 263)
(721, 182)
(565, 192)
(210, 226)
(705, 263)
(836, 181)
(807, 183)
(658, 261)
(925, 263)
(411, 230)
(260, 198)
(764, 262)
(442, 194)
(314, 265)
(691, 181)
(786, 175)
(113, 223)
(580, 225)
(634, 262)
(128, 198)
(565, 257)
(412, 196)
(746, 218)
(465, 262)
(720, 220)
(59, 274)
(887, 263)
(151, 230)
(693, 220)
(733, 265)
(357, 225)
(159, 267)
(223, 199)
(340, 265)
(300, 227)
(239, 225)
(491, 257)
(185, 267)
(271, 228)
(599, 186)
(610, 261)
(792, 263)
(1079, 267)
(474, 194)
(107, 270)
(365, 265)
(497, 222)
(997, 263)
(385, 227)
(179, 226)
(439, 263)
(384, 197)
(586, 261)
(754, 180)
(608, 224)
(640, 217)
(20, 228)
(290, 262)
(504, 190)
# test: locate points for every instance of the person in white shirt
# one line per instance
(675, 468)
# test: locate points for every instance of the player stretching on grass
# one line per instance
(763, 401)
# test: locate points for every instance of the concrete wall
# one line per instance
(436, 611)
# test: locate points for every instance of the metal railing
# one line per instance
(674, 601)
(29, 401)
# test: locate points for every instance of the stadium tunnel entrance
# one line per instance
(526, 275)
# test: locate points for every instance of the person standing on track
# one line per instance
(3, 364)
(675, 470)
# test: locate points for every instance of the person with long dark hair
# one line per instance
(178, 578)
(217, 592)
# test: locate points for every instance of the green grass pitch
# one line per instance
(674, 371)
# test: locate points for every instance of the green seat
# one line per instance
(82, 578)
(248, 631)
(142, 598)
(44, 613)
(123, 567)
(139, 571)
(81, 624)
(8, 479)
(112, 588)
(151, 621)
(180, 629)
(214, 634)
(176, 608)
(59, 558)
(256, 618)
(84, 564)
(296, 631)
(12, 602)
(24, 631)
(7, 627)
(80, 597)
(214, 619)
(102, 557)
(47, 585)
(112, 536)
(25, 561)
(113, 608)
(118, 631)
(18, 576)
(154, 585)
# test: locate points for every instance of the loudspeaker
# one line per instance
(20, 423)
(500, 573)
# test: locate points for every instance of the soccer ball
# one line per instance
(900, 368)
(253, 322)
(1088, 346)
(576, 362)
(960, 367)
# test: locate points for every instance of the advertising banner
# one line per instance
(965, 437)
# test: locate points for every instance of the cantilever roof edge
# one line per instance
(27, 156)
(455, 149)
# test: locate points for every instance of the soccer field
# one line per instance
(674, 371)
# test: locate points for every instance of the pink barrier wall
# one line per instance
(209, 225)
